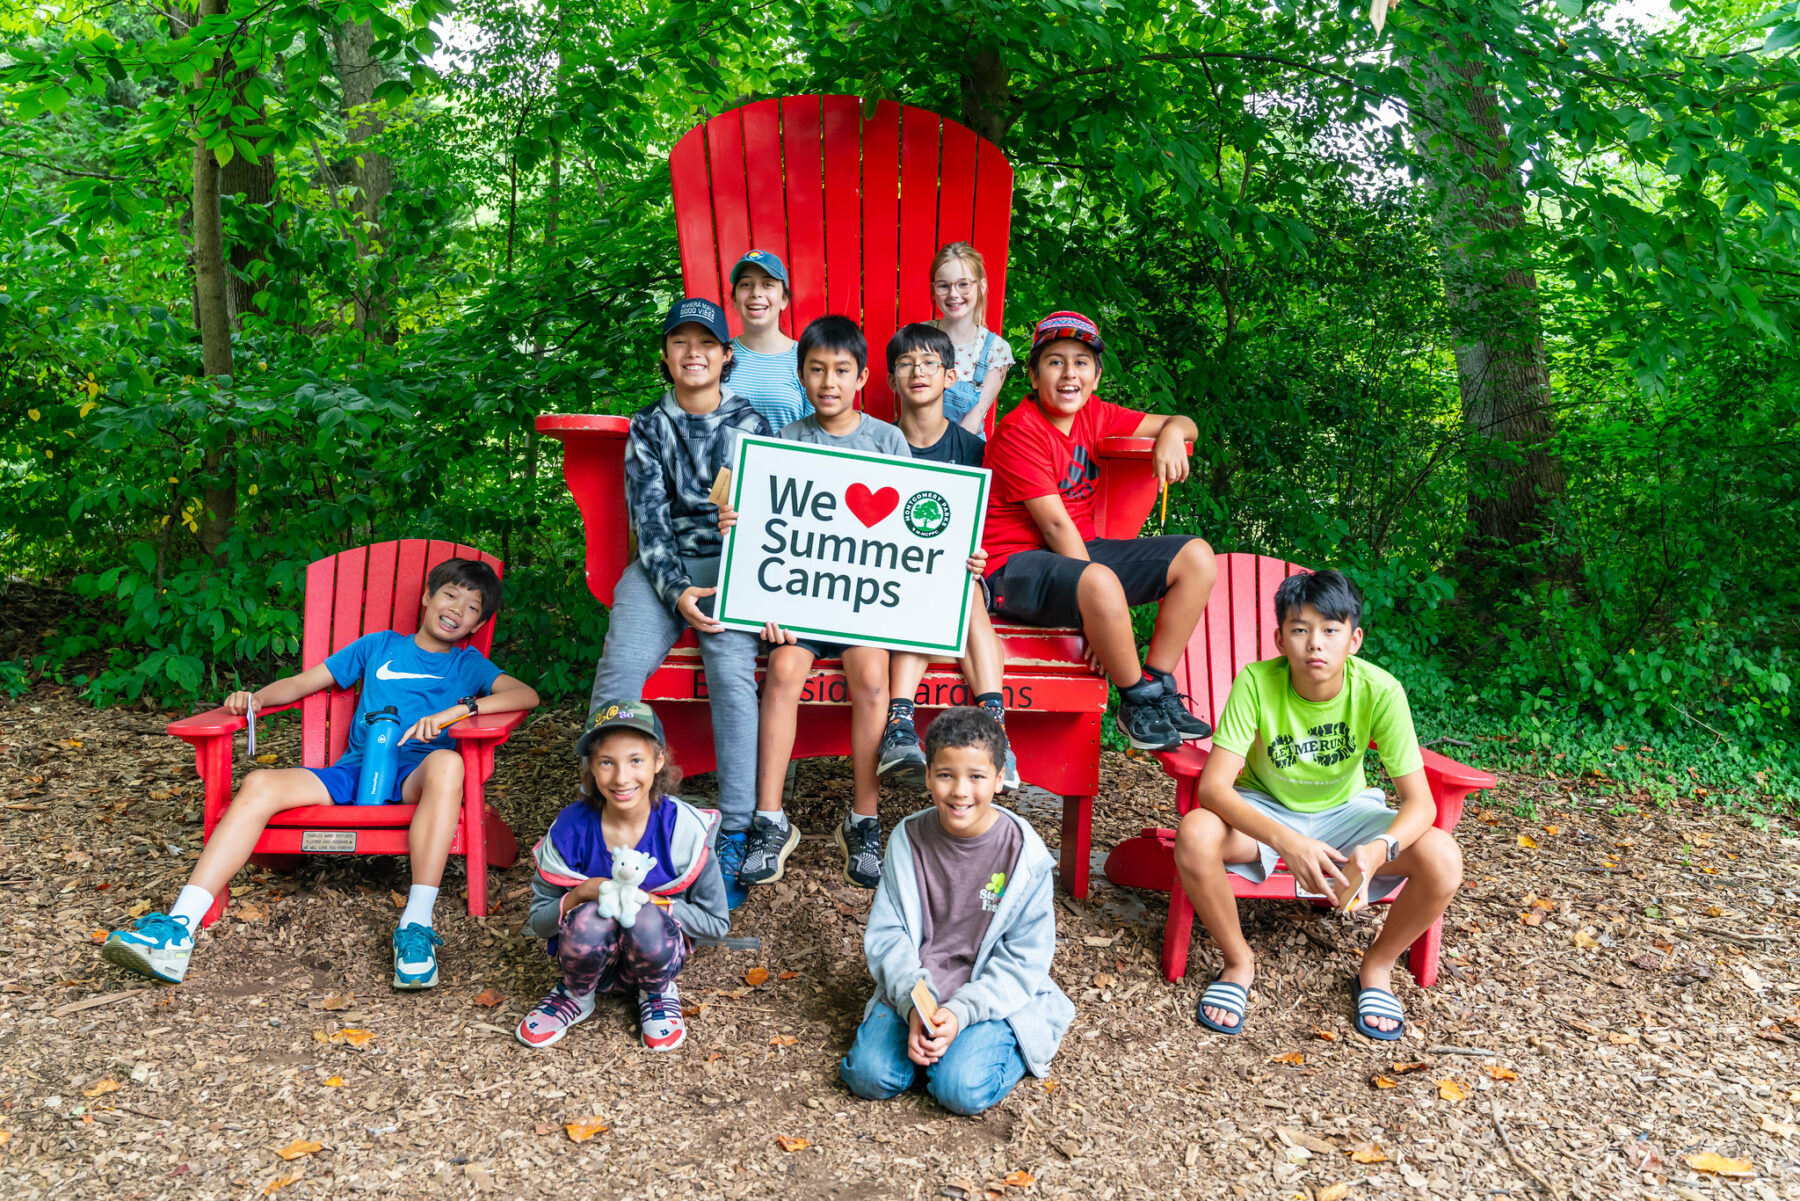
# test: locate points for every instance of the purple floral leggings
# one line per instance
(598, 954)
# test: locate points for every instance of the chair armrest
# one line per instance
(488, 726)
(1127, 487)
(594, 469)
(1186, 761)
(216, 722)
(1446, 773)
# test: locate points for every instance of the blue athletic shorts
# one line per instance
(340, 781)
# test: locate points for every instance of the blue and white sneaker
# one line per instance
(415, 957)
(157, 946)
(731, 862)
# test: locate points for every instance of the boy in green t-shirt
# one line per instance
(1295, 727)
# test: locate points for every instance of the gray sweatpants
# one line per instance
(639, 637)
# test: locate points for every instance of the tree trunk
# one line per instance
(371, 174)
(987, 95)
(219, 496)
(252, 181)
(1496, 328)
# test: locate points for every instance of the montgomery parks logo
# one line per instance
(927, 514)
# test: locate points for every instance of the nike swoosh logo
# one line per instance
(386, 672)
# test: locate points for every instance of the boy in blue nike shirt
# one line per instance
(431, 679)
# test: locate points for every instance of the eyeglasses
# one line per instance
(918, 367)
(944, 287)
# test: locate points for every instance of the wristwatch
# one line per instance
(1393, 845)
(472, 704)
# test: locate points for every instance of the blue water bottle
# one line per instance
(381, 756)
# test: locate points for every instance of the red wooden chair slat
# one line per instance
(867, 204)
(688, 183)
(956, 196)
(993, 229)
(1240, 614)
(843, 207)
(919, 240)
(764, 191)
(349, 594)
(881, 182)
(804, 177)
(730, 200)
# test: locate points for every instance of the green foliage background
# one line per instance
(1250, 198)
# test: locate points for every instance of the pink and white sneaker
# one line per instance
(659, 1017)
(553, 1017)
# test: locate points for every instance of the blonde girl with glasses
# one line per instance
(959, 288)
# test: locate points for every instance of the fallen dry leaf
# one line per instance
(1386, 1082)
(1585, 941)
(139, 908)
(1528, 842)
(101, 1088)
(1292, 1059)
(1020, 1179)
(487, 998)
(582, 1131)
(756, 976)
(782, 1040)
(1712, 1161)
(1049, 1086)
(334, 1082)
(1500, 1073)
(1784, 1129)
(1622, 1040)
(398, 898)
(297, 1148)
(1533, 918)
(1333, 1192)
(5, 1137)
(338, 1000)
(250, 913)
(1452, 1090)
(281, 1182)
(1324, 1035)
(1553, 831)
(355, 1038)
(787, 975)
(268, 758)
(1366, 1153)
(1104, 979)
(1400, 1069)
(791, 1144)
(97, 935)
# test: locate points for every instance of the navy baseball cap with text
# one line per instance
(697, 310)
(768, 260)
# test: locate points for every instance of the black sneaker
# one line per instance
(1142, 720)
(900, 759)
(767, 850)
(1177, 707)
(861, 844)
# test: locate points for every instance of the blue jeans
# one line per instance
(980, 1068)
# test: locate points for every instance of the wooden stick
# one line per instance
(1512, 1153)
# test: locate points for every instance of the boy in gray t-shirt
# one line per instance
(966, 911)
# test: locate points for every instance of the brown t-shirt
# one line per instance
(961, 881)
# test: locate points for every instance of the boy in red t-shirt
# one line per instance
(1046, 567)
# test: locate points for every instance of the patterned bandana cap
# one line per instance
(767, 260)
(697, 310)
(1067, 325)
(620, 715)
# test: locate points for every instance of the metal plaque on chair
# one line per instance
(340, 841)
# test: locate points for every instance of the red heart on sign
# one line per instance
(870, 507)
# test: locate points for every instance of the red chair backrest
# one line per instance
(856, 209)
(365, 591)
(1238, 628)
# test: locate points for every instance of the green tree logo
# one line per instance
(927, 514)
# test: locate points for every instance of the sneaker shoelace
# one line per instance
(865, 847)
(658, 1007)
(162, 927)
(414, 943)
(560, 1005)
(731, 856)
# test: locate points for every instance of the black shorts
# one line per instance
(1037, 587)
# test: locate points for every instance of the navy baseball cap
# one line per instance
(619, 715)
(697, 310)
(1067, 325)
(768, 260)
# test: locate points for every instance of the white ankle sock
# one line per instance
(779, 817)
(191, 905)
(420, 899)
(853, 817)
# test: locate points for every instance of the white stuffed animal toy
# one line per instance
(620, 896)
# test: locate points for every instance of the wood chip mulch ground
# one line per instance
(1618, 1018)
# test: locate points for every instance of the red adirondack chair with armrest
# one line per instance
(1238, 629)
(856, 208)
(357, 592)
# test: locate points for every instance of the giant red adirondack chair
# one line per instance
(856, 207)
(1239, 628)
(357, 592)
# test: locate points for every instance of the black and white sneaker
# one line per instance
(861, 844)
(1177, 707)
(766, 850)
(900, 759)
(1142, 720)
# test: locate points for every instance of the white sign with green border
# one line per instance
(852, 547)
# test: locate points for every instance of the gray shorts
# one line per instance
(1343, 828)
